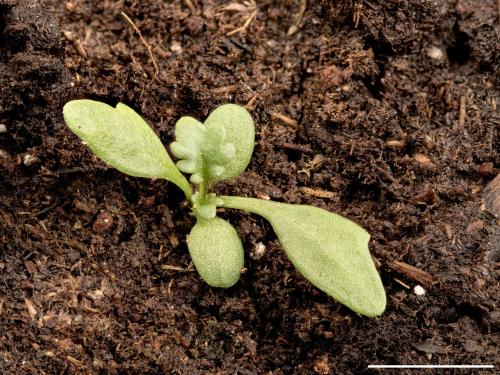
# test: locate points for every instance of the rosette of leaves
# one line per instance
(327, 249)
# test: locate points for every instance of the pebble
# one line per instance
(423, 161)
(435, 53)
(175, 47)
(29, 160)
(258, 251)
(419, 291)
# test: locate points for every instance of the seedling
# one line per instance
(327, 249)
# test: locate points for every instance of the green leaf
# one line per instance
(216, 252)
(237, 126)
(328, 250)
(122, 139)
(217, 150)
(189, 136)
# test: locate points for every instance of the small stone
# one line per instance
(175, 47)
(423, 161)
(395, 143)
(418, 290)
(435, 53)
(428, 142)
(258, 251)
(29, 160)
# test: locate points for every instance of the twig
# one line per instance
(48, 208)
(76, 43)
(402, 283)
(462, 112)
(492, 196)
(190, 5)
(318, 193)
(251, 103)
(295, 147)
(225, 89)
(295, 27)
(395, 143)
(245, 25)
(175, 268)
(356, 15)
(148, 47)
(287, 120)
(412, 272)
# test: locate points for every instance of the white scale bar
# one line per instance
(430, 366)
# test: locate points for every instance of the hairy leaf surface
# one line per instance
(122, 139)
(189, 138)
(239, 131)
(216, 252)
(217, 150)
(328, 250)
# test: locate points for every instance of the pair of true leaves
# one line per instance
(328, 250)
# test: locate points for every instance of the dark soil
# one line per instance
(383, 111)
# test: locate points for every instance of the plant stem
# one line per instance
(203, 189)
(253, 205)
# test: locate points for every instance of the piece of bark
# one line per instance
(412, 272)
(492, 196)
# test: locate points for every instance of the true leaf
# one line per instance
(328, 250)
(239, 131)
(189, 138)
(216, 252)
(122, 139)
(218, 149)
(217, 153)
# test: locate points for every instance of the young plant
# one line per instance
(327, 249)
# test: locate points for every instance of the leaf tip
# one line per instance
(377, 306)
